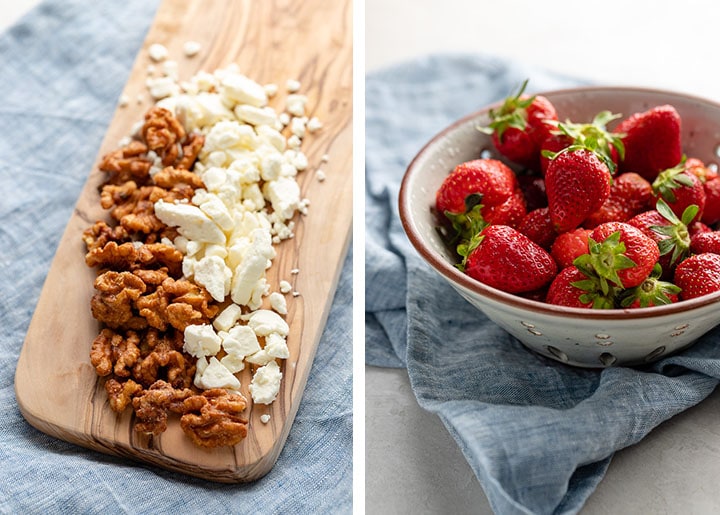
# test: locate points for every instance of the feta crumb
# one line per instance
(190, 221)
(212, 273)
(276, 346)
(285, 287)
(157, 52)
(201, 340)
(227, 317)
(241, 90)
(284, 118)
(265, 384)
(215, 375)
(296, 294)
(191, 48)
(261, 357)
(295, 104)
(264, 322)
(314, 125)
(295, 271)
(265, 418)
(124, 100)
(277, 302)
(292, 86)
(320, 175)
(271, 89)
(325, 158)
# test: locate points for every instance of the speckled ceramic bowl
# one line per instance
(581, 337)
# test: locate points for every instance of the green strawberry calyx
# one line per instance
(592, 288)
(671, 179)
(605, 259)
(593, 136)
(469, 222)
(512, 113)
(651, 292)
(467, 247)
(676, 236)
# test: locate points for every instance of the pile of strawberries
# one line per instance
(599, 218)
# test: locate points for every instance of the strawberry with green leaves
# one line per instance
(620, 254)
(577, 183)
(652, 141)
(698, 275)
(479, 192)
(669, 232)
(519, 127)
(630, 195)
(503, 258)
(577, 288)
(680, 188)
(651, 292)
(593, 136)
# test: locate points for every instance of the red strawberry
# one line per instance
(569, 246)
(510, 212)
(652, 141)
(697, 228)
(651, 292)
(698, 275)
(577, 184)
(505, 259)
(669, 232)
(705, 242)
(630, 195)
(518, 127)
(680, 189)
(593, 136)
(711, 213)
(472, 190)
(537, 226)
(620, 254)
(575, 289)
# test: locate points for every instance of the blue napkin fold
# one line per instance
(539, 435)
(64, 66)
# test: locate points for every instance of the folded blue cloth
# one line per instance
(538, 435)
(64, 66)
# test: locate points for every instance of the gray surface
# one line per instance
(413, 465)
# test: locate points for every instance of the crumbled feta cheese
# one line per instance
(215, 375)
(124, 100)
(212, 273)
(162, 87)
(255, 115)
(296, 294)
(285, 287)
(297, 126)
(277, 302)
(227, 317)
(240, 341)
(261, 357)
(264, 322)
(170, 69)
(265, 384)
(295, 104)
(295, 271)
(325, 158)
(271, 89)
(265, 418)
(201, 340)
(320, 175)
(314, 125)
(241, 90)
(292, 85)
(276, 346)
(190, 221)
(284, 194)
(157, 52)
(191, 48)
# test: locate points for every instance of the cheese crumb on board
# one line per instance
(157, 52)
(191, 48)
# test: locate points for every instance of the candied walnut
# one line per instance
(117, 194)
(127, 163)
(191, 150)
(101, 233)
(120, 394)
(152, 406)
(170, 176)
(164, 352)
(130, 257)
(113, 303)
(178, 303)
(152, 277)
(113, 352)
(163, 132)
(213, 418)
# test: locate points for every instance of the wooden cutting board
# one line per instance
(56, 386)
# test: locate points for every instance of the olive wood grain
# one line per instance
(56, 387)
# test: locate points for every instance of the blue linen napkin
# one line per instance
(538, 435)
(64, 66)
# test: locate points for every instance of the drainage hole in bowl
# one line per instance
(655, 354)
(607, 359)
(535, 332)
(681, 327)
(557, 353)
